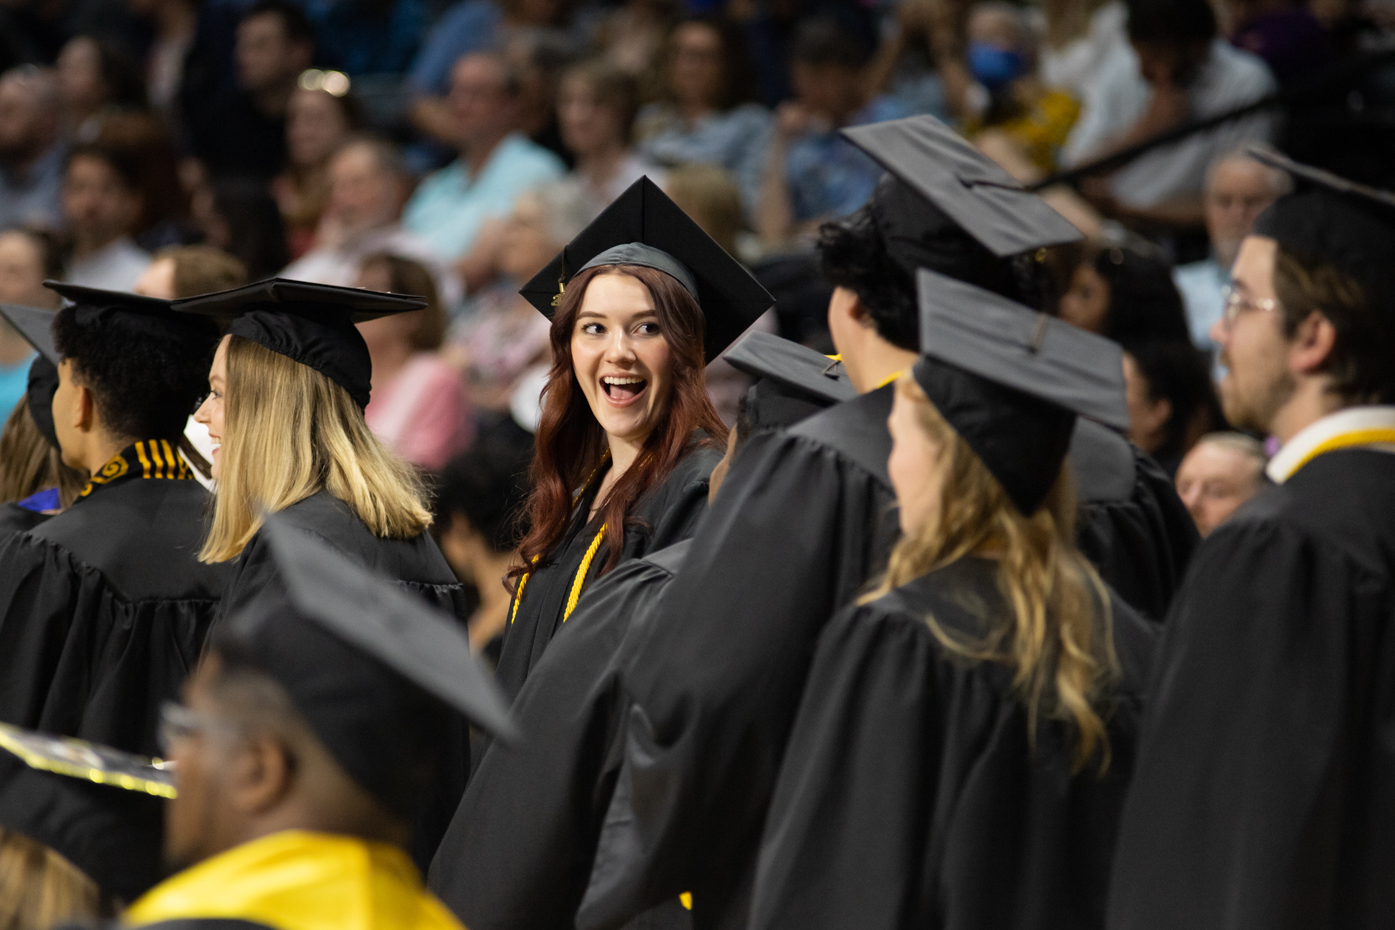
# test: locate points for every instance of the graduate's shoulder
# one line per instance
(855, 430)
(689, 477)
(17, 519)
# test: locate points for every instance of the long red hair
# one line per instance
(570, 444)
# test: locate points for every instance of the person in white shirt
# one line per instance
(101, 203)
(1175, 70)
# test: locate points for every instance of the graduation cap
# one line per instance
(375, 672)
(644, 227)
(1337, 222)
(1011, 382)
(100, 809)
(310, 323)
(946, 206)
(794, 381)
(136, 312)
(36, 326)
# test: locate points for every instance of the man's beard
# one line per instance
(1254, 407)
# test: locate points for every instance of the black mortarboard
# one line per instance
(36, 326)
(1337, 222)
(375, 672)
(794, 381)
(310, 323)
(1011, 381)
(100, 809)
(644, 227)
(135, 312)
(940, 185)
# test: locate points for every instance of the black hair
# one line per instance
(51, 248)
(120, 160)
(824, 42)
(488, 486)
(1171, 22)
(739, 83)
(256, 232)
(121, 71)
(853, 255)
(1144, 302)
(294, 23)
(146, 379)
(1179, 372)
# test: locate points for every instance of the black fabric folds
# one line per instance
(42, 385)
(325, 341)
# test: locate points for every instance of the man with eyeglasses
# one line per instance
(1263, 790)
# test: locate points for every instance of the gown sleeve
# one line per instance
(716, 677)
(519, 850)
(1262, 766)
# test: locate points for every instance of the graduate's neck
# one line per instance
(623, 453)
(95, 448)
(874, 362)
(1312, 399)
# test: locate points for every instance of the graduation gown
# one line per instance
(519, 851)
(805, 517)
(910, 795)
(1131, 525)
(1263, 796)
(665, 514)
(17, 519)
(104, 607)
(419, 568)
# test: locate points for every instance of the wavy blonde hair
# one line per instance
(1060, 642)
(290, 432)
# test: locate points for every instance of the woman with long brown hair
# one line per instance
(639, 302)
(967, 730)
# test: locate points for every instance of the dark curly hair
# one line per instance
(146, 378)
(488, 486)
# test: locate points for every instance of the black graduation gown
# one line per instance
(805, 517)
(665, 514)
(519, 851)
(910, 795)
(1132, 525)
(1264, 796)
(419, 567)
(17, 519)
(104, 607)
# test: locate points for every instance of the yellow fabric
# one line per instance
(579, 581)
(889, 380)
(1041, 129)
(297, 880)
(686, 899)
(1364, 437)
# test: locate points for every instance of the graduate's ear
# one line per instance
(261, 775)
(84, 412)
(1311, 344)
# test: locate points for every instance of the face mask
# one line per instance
(994, 67)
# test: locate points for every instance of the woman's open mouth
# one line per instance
(623, 390)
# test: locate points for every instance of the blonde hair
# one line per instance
(39, 888)
(290, 432)
(1060, 642)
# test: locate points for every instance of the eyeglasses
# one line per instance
(178, 723)
(1234, 303)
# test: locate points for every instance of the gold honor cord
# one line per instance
(75, 766)
(1363, 437)
(580, 580)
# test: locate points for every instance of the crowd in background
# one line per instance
(450, 149)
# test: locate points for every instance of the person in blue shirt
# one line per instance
(810, 173)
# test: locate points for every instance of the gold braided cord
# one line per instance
(580, 580)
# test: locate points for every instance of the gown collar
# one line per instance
(145, 458)
(297, 880)
(1370, 426)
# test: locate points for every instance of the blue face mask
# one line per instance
(994, 67)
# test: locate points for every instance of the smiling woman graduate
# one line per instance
(628, 435)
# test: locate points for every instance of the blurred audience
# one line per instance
(1175, 69)
(367, 188)
(418, 406)
(1124, 296)
(772, 28)
(189, 270)
(31, 153)
(243, 130)
(317, 124)
(922, 63)
(496, 162)
(1172, 402)
(711, 196)
(596, 110)
(1285, 33)
(102, 204)
(810, 174)
(1080, 36)
(1220, 473)
(370, 36)
(480, 518)
(632, 34)
(1238, 189)
(96, 77)
(27, 257)
(706, 116)
(239, 216)
(145, 140)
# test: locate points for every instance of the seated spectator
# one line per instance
(238, 216)
(500, 335)
(1123, 296)
(102, 204)
(468, 27)
(632, 34)
(710, 196)
(418, 404)
(31, 154)
(538, 57)
(1285, 33)
(188, 271)
(496, 163)
(772, 27)
(1081, 35)
(705, 116)
(921, 64)
(244, 131)
(1172, 402)
(145, 140)
(370, 36)
(1238, 189)
(96, 76)
(175, 25)
(811, 174)
(480, 518)
(317, 123)
(26, 258)
(596, 110)
(1219, 474)
(367, 187)
(1175, 70)
(1002, 59)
